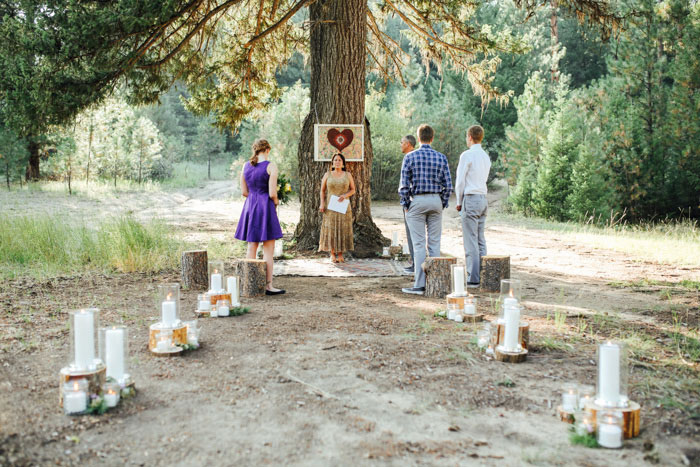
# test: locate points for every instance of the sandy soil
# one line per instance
(346, 372)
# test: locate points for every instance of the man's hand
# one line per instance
(459, 208)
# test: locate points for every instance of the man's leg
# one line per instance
(408, 239)
(482, 226)
(434, 224)
(415, 217)
(470, 226)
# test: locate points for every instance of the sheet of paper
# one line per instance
(337, 206)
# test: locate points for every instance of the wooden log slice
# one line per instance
(476, 318)
(253, 277)
(395, 250)
(631, 417)
(509, 357)
(96, 379)
(215, 298)
(493, 270)
(523, 332)
(194, 273)
(174, 352)
(438, 276)
(565, 416)
(179, 335)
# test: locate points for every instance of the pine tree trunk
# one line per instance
(338, 35)
(32, 173)
(7, 174)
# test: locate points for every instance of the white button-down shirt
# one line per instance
(472, 172)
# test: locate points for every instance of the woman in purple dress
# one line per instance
(259, 222)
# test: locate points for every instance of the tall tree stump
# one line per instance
(493, 270)
(253, 276)
(438, 276)
(194, 274)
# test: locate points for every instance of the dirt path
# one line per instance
(344, 371)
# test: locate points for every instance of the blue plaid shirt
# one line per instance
(424, 171)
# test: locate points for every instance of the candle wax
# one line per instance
(204, 305)
(458, 285)
(510, 338)
(223, 311)
(168, 313)
(216, 282)
(112, 399)
(609, 374)
(232, 288)
(609, 436)
(75, 401)
(469, 309)
(84, 335)
(568, 402)
(406, 249)
(163, 346)
(114, 353)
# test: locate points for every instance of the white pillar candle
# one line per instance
(609, 374)
(568, 402)
(216, 282)
(458, 285)
(114, 353)
(232, 288)
(112, 398)
(510, 302)
(84, 335)
(74, 401)
(609, 436)
(168, 313)
(512, 318)
(204, 305)
(394, 239)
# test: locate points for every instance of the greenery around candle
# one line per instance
(97, 406)
(588, 440)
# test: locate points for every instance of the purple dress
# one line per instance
(259, 220)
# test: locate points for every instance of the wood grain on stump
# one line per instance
(179, 335)
(631, 417)
(565, 416)
(523, 334)
(438, 276)
(509, 357)
(194, 273)
(253, 276)
(95, 378)
(493, 270)
(216, 297)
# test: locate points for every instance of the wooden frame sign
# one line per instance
(349, 140)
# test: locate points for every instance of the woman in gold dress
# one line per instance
(336, 230)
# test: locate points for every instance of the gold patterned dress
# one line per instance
(336, 229)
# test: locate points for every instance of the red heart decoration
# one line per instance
(340, 139)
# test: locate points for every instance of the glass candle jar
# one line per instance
(216, 276)
(75, 396)
(610, 429)
(470, 305)
(482, 338)
(385, 251)
(165, 341)
(192, 332)
(110, 393)
(114, 352)
(203, 302)
(569, 397)
(83, 339)
(223, 307)
(452, 310)
(612, 375)
(510, 295)
(169, 299)
(586, 395)
(584, 422)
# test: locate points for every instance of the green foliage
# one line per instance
(284, 189)
(48, 245)
(587, 440)
(13, 156)
(97, 406)
(591, 195)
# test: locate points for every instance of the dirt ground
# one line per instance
(349, 372)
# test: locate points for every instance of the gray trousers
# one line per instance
(424, 214)
(473, 216)
(408, 238)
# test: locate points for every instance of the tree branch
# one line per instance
(300, 4)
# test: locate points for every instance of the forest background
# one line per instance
(596, 131)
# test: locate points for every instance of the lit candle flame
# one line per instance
(170, 296)
(511, 293)
(76, 386)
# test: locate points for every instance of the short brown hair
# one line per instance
(260, 145)
(476, 132)
(425, 133)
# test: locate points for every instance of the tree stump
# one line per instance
(438, 276)
(631, 418)
(565, 416)
(523, 333)
(194, 272)
(493, 270)
(96, 379)
(509, 357)
(253, 277)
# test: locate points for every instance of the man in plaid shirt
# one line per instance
(424, 191)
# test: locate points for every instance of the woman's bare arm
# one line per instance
(244, 185)
(272, 185)
(322, 205)
(350, 192)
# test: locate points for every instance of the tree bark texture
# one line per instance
(337, 43)
(32, 173)
(194, 273)
(493, 270)
(438, 276)
(253, 276)
(510, 357)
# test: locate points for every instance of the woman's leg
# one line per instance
(252, 250)
(268, 256)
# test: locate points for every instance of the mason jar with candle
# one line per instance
(385, 251)
(452, 310)
(165, 341)
(470, 305)
(75, 396)
(110, 392)
(569, 397)
(233, 287)
(584, 422)
(223, 307)
(482, 338)
(169, 304)
(192, 332)
(586, 395)
(611, 390)
(203, 302)
(609, 432)
(459, 278)
(216, 276)
(83, 339)
(114, 352)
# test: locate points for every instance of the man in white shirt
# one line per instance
(472, 172)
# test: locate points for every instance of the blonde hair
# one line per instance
(260, 145)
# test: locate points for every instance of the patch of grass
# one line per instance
(587, 440)
(688, 346)
(640, 345)
(51, 245)
(551, 343)
(455, 353)
(191, 174)
(507, 383)
(559, 320)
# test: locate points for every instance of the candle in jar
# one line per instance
(394, 238)
(385, 251)
(568, 401)
(111, 398)
(469, 309)
(114, 353)
(216, 281)
(204, 305)
(168, 312)
(451, 312)
(510, 302)
(74, 401)
(512, 327)
(222, 310)
(609, 374)
(163, 345)
(609, 435)
(232, 288)
(458, 285)
(458, 317)
(84, 335)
